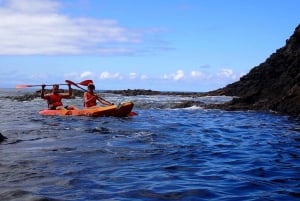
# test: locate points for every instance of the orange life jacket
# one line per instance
(54, 101)
(90, 103)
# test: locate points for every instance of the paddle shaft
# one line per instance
(99, 98)
(21, 86)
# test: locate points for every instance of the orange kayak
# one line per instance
(123, 110)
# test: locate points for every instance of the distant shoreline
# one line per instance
(136, 92)
(30, 95)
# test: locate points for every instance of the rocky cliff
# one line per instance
(272, 85)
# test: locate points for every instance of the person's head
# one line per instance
(55, 88)
(91, 86)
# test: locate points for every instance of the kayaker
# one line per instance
(54, 98)
(90, 97)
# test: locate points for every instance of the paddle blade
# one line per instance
(70, 82)
(86, 82)
(22, 86)
(132, 114)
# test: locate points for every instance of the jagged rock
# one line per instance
(133, 92)
(136, 92)
(186, 104)
(272, 85)
(2, 138)
(37, 94)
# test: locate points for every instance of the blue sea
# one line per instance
(163, 153)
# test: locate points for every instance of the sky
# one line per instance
(165, 45)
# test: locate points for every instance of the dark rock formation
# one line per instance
(37, 94)
(136, 92)
(186, 104)
(2, 138)
(133, 92)
(273, 85)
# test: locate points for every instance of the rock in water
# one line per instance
(2, 138)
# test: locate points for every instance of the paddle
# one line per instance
(99, 98)
(132, 114)
(22, 86)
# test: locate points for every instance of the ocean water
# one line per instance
(160, 154)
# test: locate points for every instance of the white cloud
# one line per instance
(32, 6)
(192, 78)
(31, 27)
(86, 74)
(107, 75)
(104, 75)
(178, 75)
(227, 73)
(197, 74)
(133, 75)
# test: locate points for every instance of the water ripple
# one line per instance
(161, 154)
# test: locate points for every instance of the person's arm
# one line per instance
(87, 100)
(93, 98)
(43, 92)
(103, 101)
(69, 92)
